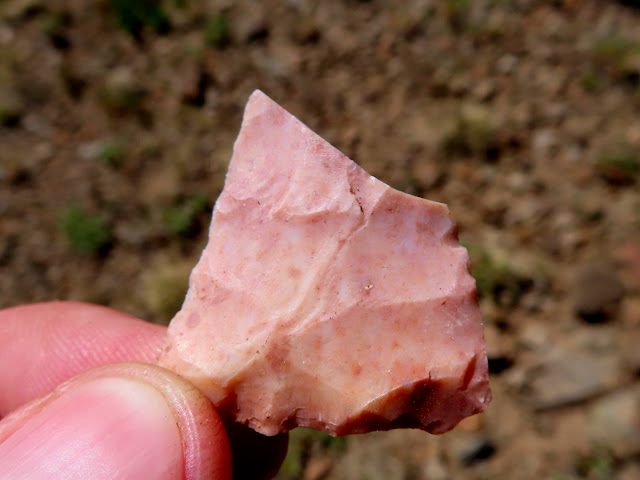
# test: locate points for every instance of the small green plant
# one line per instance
(180, 218)
(293, 462)
(303, 443)
(497, 279)
(456, 11)
(135, 15)
(86, 233)
(591, 82)
(616, 54)
(598, 465)
(217, 32)
(621, 168)
(112, 153)
(611, 47)
(328, 441)
(488, 273)
(458, 7)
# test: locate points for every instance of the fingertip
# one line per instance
(133, 419)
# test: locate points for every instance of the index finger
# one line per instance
(45, 344)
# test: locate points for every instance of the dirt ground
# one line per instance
(117, 121)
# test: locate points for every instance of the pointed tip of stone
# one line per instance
(258, 92)
(257, 95)
(259, 98)
(259, 103)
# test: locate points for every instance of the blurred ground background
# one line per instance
(117, 120)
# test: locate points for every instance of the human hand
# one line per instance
(63, 418)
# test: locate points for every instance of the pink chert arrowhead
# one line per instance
(325, 298)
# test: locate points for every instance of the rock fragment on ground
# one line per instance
(597, 293)
(570, 375)
(327, 299)
(473, 448)
(614, 420)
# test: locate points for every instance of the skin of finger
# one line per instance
(45, 344)
(206, 450)
(37, 354)
(104, 429)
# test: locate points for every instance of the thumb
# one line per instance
(125, 421)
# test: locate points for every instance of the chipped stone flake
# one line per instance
(282, 325)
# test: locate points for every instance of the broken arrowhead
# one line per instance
(325, 298)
